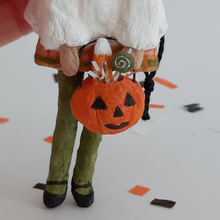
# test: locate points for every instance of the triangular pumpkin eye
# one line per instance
(99, 104)
(129, 100)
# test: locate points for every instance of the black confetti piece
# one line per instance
(193, 107)
(163, 203)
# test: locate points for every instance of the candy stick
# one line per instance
(95, 65)
(95, 68)
(133, 73)
(116, 76)
(107, 78)
(110, 76)
(103, 69)
(94, 76)
(130, 50)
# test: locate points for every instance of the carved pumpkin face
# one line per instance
(108, 108)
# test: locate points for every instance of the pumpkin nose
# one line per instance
(118, 112)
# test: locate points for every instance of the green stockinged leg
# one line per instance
(62, 148)
(84, 169)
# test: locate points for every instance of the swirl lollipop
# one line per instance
(122, 62)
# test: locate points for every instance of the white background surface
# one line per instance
(168, 158)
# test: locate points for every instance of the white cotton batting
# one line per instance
(134, 23)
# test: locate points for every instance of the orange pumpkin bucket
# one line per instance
(108, 103)
(108, 108)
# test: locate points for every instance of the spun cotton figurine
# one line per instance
(64, 28)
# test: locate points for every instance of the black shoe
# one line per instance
(53, 200)
(83, 200)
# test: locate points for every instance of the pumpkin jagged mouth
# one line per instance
(115, 127)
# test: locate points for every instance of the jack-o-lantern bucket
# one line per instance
(108, 108)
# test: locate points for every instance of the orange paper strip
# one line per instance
(156, 106)
(49, 139)
(3, 120)
(139, 190)
(165, 83)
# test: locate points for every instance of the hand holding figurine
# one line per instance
(12, 23)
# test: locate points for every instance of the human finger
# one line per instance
(12, 23)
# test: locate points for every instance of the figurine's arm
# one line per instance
(138, 56)
(69, 60)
